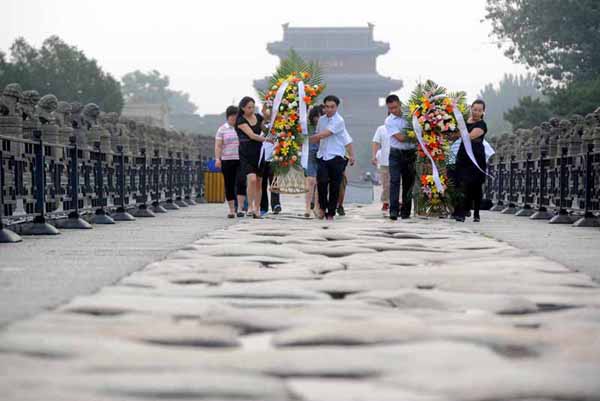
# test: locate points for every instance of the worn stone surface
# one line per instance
(292, 309)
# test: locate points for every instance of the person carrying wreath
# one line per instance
(402, 159)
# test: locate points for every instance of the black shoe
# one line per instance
(404, 217)
(393, 216)
(341, 211)
(460, 219)
(277, 209)
(468, 214)
(241, 214)
(476, 219)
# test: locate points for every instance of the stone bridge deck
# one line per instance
(288, 309)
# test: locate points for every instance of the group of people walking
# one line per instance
(395, 156)
(247, 174)
(237, 150)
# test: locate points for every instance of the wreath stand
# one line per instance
(291, 183)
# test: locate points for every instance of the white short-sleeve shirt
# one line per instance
(394, 125)
(383, 139)
(335, 144)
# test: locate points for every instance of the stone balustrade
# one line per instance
(549, 172)
(64, 159)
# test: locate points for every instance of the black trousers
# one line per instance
(235, 183)
(472, 193)
(267, 180)
(329, 180)
(402, 171)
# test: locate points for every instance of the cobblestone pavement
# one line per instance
(290, 309)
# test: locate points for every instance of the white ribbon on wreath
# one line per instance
(302, 108)
(303, 113)
(434, 170)
(274, 112)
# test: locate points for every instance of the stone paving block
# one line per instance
(344, 390)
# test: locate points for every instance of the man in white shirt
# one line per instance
(333, 138)
(380, 150)
(403, 156)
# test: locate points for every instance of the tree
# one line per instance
(560, 39)
(504, 97)
(528, 113)
(153, 87)
(150, 87)
(62, 70)
(180, 103)
(580, 97)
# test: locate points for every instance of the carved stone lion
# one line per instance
(90, 114)
(9, 102)
(63, 114)
(565, 126)
(76, 119)
(46, 108)
(29, 100)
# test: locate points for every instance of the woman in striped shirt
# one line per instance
(228, 160)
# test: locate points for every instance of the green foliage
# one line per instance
(504, 97)
(153, 87)
(62, 70)
(150, 87)
(295, 63)
(528, 113)
(427, 89)
(180, 103)
(430, 89)
(560, 39)
(580, 97)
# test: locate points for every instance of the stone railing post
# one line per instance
(121, 213)
(512, 207)
(526, 210)
(588, 219)
(74, 220)
(562, 216)
(6, 235)
(40, 226)
(542, 212)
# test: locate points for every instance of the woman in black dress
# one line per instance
(249, 127)
(469, 178)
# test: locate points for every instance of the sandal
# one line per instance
(306, 215)
(241, 214)
(256, 216)
(231, 216)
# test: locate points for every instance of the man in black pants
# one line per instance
(264, 201)
(332, 138)
(402, 160)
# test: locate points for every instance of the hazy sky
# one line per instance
(214, 49)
